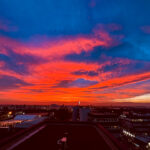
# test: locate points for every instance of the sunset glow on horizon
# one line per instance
(93, 51)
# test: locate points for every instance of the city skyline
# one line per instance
(92, 51)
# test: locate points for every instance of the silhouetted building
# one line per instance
(83, 112)
(75, 113)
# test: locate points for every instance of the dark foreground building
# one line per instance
(135, 128)
(80, 136)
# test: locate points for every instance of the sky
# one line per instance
(64, 51)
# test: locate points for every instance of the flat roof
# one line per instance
(80, 137)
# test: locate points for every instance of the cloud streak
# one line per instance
(10, 82)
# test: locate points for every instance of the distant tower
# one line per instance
(79, 103)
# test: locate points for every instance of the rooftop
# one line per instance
(80, 136)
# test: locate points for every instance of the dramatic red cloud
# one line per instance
(43, 80)
(76, 44)
(53, 80)
(62, 46)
